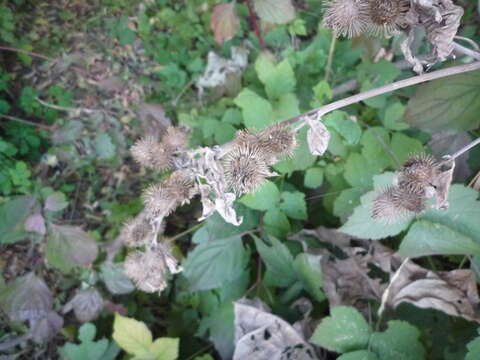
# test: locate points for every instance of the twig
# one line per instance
(470, 41)
(321, 111)
(331, 51)
(68, 109)
(254, 23)
(186, 232)
(465, 149)
(466, 51)
(14, 118)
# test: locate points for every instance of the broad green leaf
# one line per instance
(473, 349)
(362, 225)
(256, 111)
(114, 277)
(359, 172)
(359, 355)
(398, 342)
(279, 262)
(393, 115)
(56, 201)
(12, 218)
(70, 246)
(211, 264)
(293, 204)
(104, 146)
(449, 103)
(132, 335)
(403, 147)
(309, 271)
(165, 349)
(426, 238)
(204, 357)
(220, 325)
(348, 200)
(285, 107)
(344, 330)
(313, 178)
(276, 223)
(279, 79)
(322, 91)
(346, 127)
(376, 143)
(264, 198)
(275, 11)
(224, 133)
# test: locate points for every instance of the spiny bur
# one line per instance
(395, 203)
(147, 270)
(347, 17)
(387, 17)
(419, 173)
(135, 232)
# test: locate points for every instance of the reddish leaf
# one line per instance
(35, 223)
(224, 22)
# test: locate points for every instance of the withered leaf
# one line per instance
(35, 223)
(261, 335)
(443, 181)
(47, 327)
(318, 137)
(224, 22)
(86, 304)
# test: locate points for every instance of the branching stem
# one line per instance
(465, 149)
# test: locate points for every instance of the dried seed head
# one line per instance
(147, 270)
(175, 139)
(395, 203)
(387, 17)
(159, 201)
(135, 232)
(347, 17)
(278, 141)
(181, 186)
(149, 153)
(245, 168)
(418, 173)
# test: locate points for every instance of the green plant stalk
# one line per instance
(331, 51)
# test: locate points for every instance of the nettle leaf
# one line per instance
(344, 125)
(26, 298)
(443, 104)
(399, 341)
(359, 355)
(115, 279)
(70, 246)
(275, 11)
(276, 222)
(224, 22)
(104, 146)
(12, 218)
(211, 264)
(293, 204)
(264, 198)
(279, 79)
(393, 115)
(313, 178)
(279, 262)
(132, 335)
(344, 330)
(257, 112)
(309, 272)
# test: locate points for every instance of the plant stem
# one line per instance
(254, 23)
(319, 112)
(13, 118)
(331, 51)
(186, 232)
(465, 148)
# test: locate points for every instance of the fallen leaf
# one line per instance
(318, 137)
(224, 22)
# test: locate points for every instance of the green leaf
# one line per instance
(213, 263)
(56, 201)
(70, 246)
(376, 142)
(165, 349)
(276, 223)
(393, 114)
(279, 262)
(359, 355)
(285, 107)
(362, 225)
(309, 272)
(345, 330)
(256, 111)
(115, 279)
(224, 132)
(345, 202)
(313, 178)
(278, 79)
(264, 198)
(473, 349)
(275, 11)
(293, 204)
(12, 218)
(322, 91)
(426, 238)
(302, 158)
(403, 147)
(346, 127)
(133, 336)
(450, 103)
(359, 172)
(398, 342)
(104, 146)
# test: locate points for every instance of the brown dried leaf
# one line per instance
(35, 223)
(443, 181)
(86, 304)
(224, 22)
(318, 137)
(452, 292)
(153, 118)
(260, 335)
(47, 327)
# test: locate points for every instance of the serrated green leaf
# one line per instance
(344, 204)
(132, 335)
(398, 342)
(393, 114)
(285, 107)
(293, 204)
(213, 263)
(346, 127)
(279, 79)
(359, 172)
(376, 142)
(279, 262)
(313, 178)
(344, 330)
(309, 272)
(403, 147)
(165, 349)
(473, 349)
(275, 11)
(256, 111)
(104, 146)
(264, 198)
(115, 279)
(276, 223)
(12, 218)
(359, 355)
(450, 103)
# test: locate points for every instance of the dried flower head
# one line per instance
(135, 232)
(387, 17)
(347, 17)
(418, 173)
(181, 186)
(395, 202)
(246, 168)
(175, 139)
(278, 140)
(147, 270)
(150, 153)
(159, 201)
